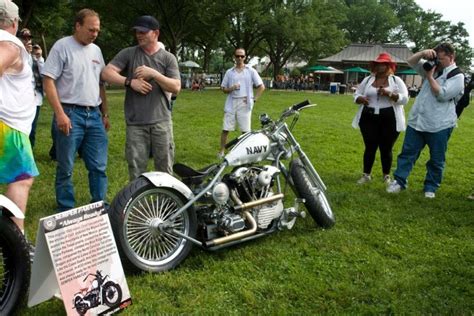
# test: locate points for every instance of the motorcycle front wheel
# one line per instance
(14, 266)
(112, 294)
(315, 199)
(136, 212)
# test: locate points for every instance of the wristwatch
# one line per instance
(128, 82)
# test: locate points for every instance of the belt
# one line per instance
(371, 111)
(82, 107)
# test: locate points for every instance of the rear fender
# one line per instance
(12, 208)
(162, 179)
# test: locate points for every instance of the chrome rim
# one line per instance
(148, 243)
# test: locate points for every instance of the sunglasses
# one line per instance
(239, 56)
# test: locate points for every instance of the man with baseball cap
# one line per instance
(17, 110)
(151, 75)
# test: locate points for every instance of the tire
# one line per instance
(112, 294)
(315, 199)
(141, 246)
(14, 267)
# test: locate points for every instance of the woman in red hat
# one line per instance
(381, 117)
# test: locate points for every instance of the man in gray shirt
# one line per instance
(151, 75)
(72, 84)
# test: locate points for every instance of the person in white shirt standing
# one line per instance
(17, 111)
(238, 84)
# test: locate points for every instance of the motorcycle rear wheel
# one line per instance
(315, 199)
(134, 213)
(14, 266)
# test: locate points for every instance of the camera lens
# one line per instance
(428, 65)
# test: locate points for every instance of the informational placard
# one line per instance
(76, 259)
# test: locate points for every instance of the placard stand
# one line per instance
(76, 258)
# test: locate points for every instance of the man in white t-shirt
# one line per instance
(17, 110)
(238, 84)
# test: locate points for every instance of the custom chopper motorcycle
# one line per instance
(157, 218)
(14, 259)
(101, 292)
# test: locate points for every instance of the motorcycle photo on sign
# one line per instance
(157, 218)
(100, 292)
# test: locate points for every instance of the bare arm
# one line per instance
(62, 120)
(104, 107)
(111, 74)
(9, 57)
(259, 91)
(426, 54)
(167, 84)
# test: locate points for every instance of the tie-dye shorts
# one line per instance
(16, 156)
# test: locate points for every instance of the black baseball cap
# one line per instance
(146, 23)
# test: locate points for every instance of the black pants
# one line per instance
(379, 131)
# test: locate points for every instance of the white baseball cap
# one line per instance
(9, 10)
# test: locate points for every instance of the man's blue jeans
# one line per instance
(413, 144)
(87, 132)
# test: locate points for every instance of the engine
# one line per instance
(244, 187)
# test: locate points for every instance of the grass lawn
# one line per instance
(387, 254)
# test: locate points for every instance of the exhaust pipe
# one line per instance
(246, 206)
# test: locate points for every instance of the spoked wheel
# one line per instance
(137, 216)
(112, 294)
(14, 267)
(315, 199)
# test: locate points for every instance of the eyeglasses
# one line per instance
(239, 56)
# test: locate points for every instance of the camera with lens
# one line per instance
(430, 64)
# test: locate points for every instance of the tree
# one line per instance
(369, 21)
(299, 29)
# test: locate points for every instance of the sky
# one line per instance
(454, 11)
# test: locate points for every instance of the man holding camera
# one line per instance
(432, 117)
(36, 62)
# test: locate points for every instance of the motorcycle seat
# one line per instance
(192, 176)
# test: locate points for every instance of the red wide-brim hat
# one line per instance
(384, 58)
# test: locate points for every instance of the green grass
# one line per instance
(387, 254)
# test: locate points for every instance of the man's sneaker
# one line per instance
(364, 179)
(387, 179)
(471, 197)
(430, 195)
(394, 187)
(220, 155)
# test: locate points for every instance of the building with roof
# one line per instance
(360, 55)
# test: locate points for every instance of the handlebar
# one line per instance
(301, 105)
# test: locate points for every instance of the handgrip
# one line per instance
(298, 106)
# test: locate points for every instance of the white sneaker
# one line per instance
(394, 187)
(430, 195)
(220, 155)
(364, 179)
(387, 179)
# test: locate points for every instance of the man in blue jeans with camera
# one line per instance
(432, 117)
(74, 90)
